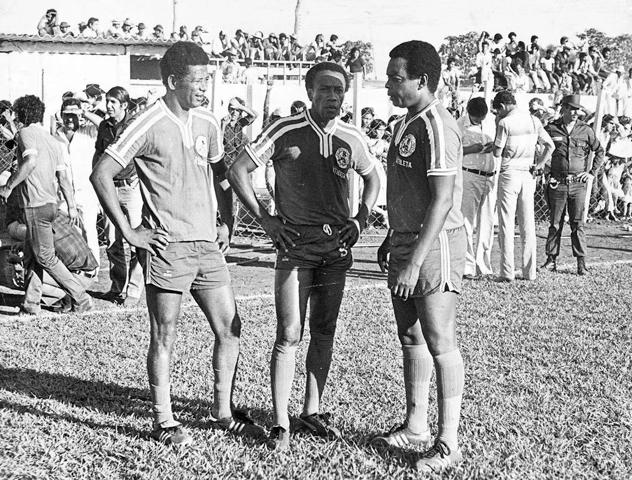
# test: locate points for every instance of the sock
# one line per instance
(418, 367)
(161, 405)
(450, 380)
(317, 365)
(225, 356)
(282, 366)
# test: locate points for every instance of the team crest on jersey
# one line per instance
(201, 146)
(343, 156)
(407, 145)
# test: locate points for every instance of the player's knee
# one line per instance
(289, 337)
(408, 337)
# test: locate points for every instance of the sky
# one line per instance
(385, 24)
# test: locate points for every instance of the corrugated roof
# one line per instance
(18, 37)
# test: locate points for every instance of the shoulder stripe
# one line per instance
(279, 128)
(434, 127)
(137, 123)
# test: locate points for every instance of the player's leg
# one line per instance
(507, 199)
(557, 207)
(292, 289)
(164, 308)
(325, 298)
(470, 205)
(485, 227)
(437, 314)
(418, 367)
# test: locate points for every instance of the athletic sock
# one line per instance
(450, 380)
(225, 356)
(161, 405)
(317, 364)
(418, 367)
(282, 366)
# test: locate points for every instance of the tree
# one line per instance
(463, 48)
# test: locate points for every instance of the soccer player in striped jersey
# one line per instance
(312, 153)
(177, 149)
(424, 252)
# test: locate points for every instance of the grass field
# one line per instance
(548, 389)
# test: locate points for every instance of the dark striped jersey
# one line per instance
(311, 166)
(426, 145)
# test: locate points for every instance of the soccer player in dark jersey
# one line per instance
(311, 153)
(424, 252)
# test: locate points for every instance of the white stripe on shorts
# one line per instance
(446, 280)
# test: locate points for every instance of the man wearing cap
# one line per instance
(571, 174)
(49, 23)
(271, 47)
(126, 29)
(77, 135)
(115, 30)
(158, 33)
(517, 135)
(141, 33)
(256, 49)
(64, 29)
(229, 67)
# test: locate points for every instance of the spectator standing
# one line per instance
(220, 45)
(355, 62)
(40, 161)
(251, 75)
(450, 84)
(484, 65)
(48, 24)
(127, 280)
(517, 134)
(571, 173)
(229, 67)
(235, 139)
(77, 136)
(480, 182)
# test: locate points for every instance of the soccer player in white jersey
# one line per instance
(312, 153)
(178, 152)
(424, 252)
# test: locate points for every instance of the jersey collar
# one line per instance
(325, 134)
(405, 125)
(186, 129)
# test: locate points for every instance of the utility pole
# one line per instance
(297, 18)
(175, 19)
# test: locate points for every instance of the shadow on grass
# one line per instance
(106, 398)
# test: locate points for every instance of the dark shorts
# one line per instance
(184, 266)
(442, 270)
(317, 247)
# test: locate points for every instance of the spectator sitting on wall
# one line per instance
(270, 47)
(316, 49)
(219, 45)
(158, 34)
(196, 38)
(92, 31)
(49, 23)
(333, 46)
(142, 32)
(115, 30)
(230, 68)
(255, 46)
(284, 52)
(82, 28)
(183, 34)
(64, 30)
(126, 29)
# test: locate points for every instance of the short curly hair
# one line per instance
(505, 97)
(311, 74)
(29, 109)
(421, 59)
(178, 58)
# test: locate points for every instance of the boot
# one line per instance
(581, 266)
(550, 264)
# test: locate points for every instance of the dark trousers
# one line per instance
(567, 197)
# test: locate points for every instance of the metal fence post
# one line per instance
(354, 179)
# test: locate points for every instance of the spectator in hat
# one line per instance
(48, 24)
(142, 32)
(296, 49)
(196, 37)
(115, 30)
(271, 47)
(158, 34)
(238, 42)
(64, 30)
(229, 67)
(255, 46)
(126, 29)
(219, 45)
(201, 32)
(92, 31)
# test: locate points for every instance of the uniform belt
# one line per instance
(125, 182)
(567, 180)
(479, 172)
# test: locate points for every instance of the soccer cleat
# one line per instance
(581, 266)
(238, 424)
(401, 436)
(550, 264)
(279, 439)
(177, 435)
(319, 424)
(438, 457)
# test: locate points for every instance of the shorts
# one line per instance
(317, 247)
(184, 266)
(442, 270)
